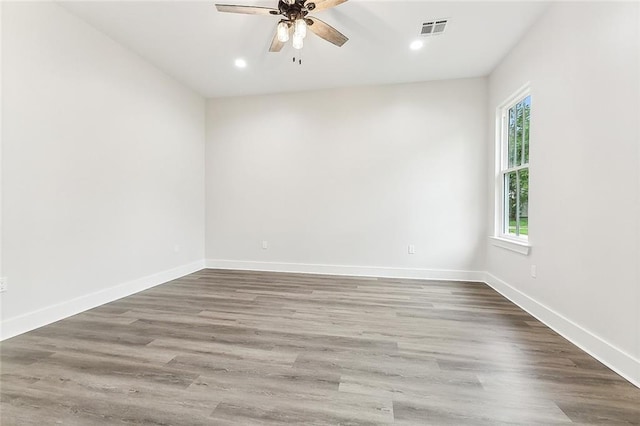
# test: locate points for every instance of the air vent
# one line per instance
(433, 27)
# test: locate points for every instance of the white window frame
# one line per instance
(519, 244)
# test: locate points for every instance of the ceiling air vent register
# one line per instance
(433, 27)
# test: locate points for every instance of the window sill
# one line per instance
(521, 247)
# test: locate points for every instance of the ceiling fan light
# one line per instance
(300, 28)
(298, 42)
(283, 32)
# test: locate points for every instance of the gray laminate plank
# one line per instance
(231, 348)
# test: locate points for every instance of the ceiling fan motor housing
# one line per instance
(295, 10)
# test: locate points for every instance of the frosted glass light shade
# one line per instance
(300, 28)
(283, 32)
(298, 42)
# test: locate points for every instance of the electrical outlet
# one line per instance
(534, 271)
(3, 284)
(412, 249)
(265, 245)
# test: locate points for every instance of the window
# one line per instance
(513, 176)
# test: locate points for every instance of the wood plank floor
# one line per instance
(229, 347)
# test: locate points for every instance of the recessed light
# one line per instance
(241, 63)
(416, 45)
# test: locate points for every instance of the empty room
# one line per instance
(326, 212)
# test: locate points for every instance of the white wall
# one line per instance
(584, 213)
(102, 168)
(349, 178)
(1, 97)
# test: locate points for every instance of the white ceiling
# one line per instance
(198, 45)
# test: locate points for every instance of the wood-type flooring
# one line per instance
(232, 348)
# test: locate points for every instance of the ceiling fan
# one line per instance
(295, 21)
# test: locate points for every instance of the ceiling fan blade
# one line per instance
(249, 10)
(276, 45)
(325, 4)
(327, 32)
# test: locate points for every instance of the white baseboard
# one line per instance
(616, 359)
(359, 271)
(21, 324)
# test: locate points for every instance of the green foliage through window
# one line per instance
(516, 172)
